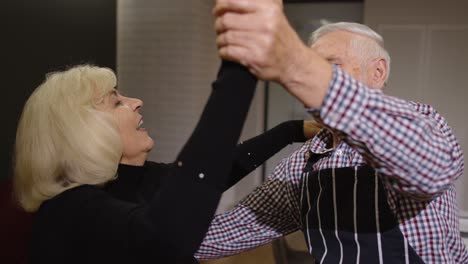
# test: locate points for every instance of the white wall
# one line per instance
(428, 41)
(166, 55)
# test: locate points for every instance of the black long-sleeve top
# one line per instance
(156, 213)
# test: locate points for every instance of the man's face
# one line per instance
(336, 48)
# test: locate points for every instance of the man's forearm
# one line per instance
(308, 77)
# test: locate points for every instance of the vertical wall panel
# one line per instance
(447, 88)
(412, 51)
(166, 57)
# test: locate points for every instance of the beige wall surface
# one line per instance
(428, 41)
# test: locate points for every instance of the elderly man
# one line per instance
(376, 185)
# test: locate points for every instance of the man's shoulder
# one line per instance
(290, 168)
(299, 154)
(423, 108)
(429, 111)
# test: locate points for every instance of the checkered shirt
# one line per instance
(409, 144)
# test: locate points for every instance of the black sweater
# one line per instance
(159, 213)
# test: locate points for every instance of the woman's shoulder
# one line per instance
(82, 213)
(84, 203)
(159, 169)
(66, 208)
(157, 165)
(74, 196)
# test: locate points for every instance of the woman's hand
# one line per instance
(311, 128)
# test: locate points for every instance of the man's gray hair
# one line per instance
(373, 49)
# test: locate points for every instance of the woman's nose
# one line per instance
(137, 104)
(133, 103)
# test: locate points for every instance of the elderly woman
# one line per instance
(81, 163)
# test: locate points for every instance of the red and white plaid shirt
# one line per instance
(410, 144)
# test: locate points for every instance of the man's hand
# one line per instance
(257, 35)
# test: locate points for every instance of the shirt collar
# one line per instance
(322, 142)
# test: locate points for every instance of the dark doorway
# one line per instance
(43, 36)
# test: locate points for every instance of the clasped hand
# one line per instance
(257, 35)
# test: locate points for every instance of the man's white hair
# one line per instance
(364, 49)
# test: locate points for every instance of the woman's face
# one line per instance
(136, 141)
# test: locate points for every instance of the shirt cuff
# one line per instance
(343, 104)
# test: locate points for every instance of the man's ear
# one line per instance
(379, 72)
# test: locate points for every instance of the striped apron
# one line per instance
(346, 217)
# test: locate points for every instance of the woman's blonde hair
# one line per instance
(62, 140)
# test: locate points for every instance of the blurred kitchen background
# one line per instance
(164, 53)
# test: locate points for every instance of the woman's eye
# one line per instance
(118, 103)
